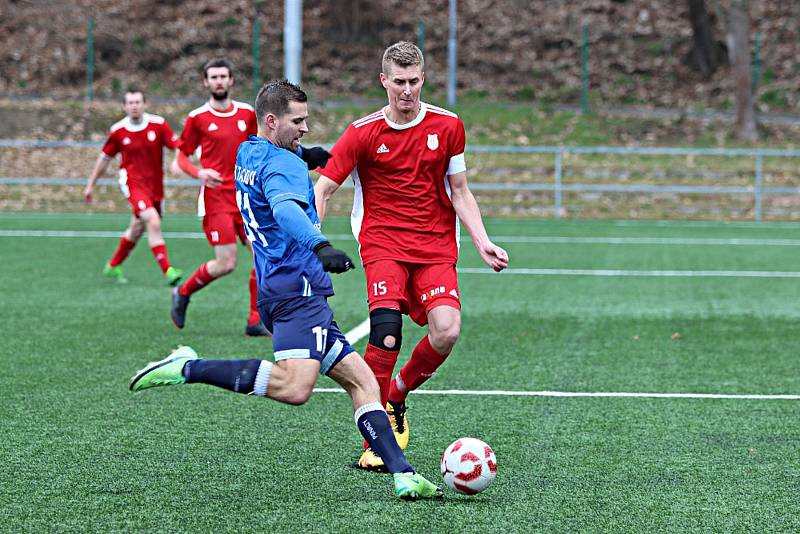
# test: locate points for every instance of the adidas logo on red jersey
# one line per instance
(383, 149)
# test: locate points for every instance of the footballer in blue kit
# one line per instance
(274, 191)
(292, 260)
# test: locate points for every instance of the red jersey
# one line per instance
(218, 134)
(142, 147)
(402, 209)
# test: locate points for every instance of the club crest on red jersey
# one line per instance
(151, 135)
(433, 141)
(242, 125)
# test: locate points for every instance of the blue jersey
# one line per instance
(266, 176)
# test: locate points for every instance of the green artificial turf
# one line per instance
(81, 453)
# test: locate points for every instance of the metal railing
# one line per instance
(758, 189)
(557, 186)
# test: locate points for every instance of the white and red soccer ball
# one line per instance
(469, 465)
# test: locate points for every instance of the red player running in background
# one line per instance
(140, 137)
(217, 128)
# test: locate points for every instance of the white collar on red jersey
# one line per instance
(234, 108)
(128, 124)
(423, 108)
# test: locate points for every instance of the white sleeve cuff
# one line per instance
(457, 164)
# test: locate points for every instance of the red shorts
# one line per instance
(414, 288)
(224, 228)
(141, 201)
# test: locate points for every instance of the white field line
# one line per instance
(498, 222)
(619, 272)
(362, 330)
(91, 234)
(358, 333)
(705, 224)
(679, 241)
(501, 393)
(463, 270)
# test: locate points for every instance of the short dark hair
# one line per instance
(403, 54)
(274, 97)
(131, 90)
(216, 63)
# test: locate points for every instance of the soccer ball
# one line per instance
(468, 465)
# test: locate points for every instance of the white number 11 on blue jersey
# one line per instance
(250, 224)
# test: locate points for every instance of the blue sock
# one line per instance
(233, 375)
(373, 423)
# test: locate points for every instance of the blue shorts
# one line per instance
(303, 327)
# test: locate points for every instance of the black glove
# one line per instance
(315, 157)
(333, 260)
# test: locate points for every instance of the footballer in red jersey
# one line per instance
(217, 128)
(218, 134)
(407, 164)
(140, 138)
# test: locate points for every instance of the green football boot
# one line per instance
(413, 486)
(166, 372)
(115, 273)
(173, 276)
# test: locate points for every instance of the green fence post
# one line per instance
(557, 184)
(758, 196)
(421, 37)
(585, 69)
(256, 57)
(90, 59)
(756, 62)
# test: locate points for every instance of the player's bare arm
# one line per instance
(209, 177)
(323, 191)
(174, 168)
(100, 167)
(470, 214)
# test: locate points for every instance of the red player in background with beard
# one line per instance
(217, 128)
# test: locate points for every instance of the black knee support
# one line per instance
(385, 322)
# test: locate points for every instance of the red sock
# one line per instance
(123, 249)
(420, 367)
(160, 254)
(382, 364)
(199, 279)
(253, 317)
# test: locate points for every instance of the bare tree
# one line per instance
(703, 54)
(739, 52)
